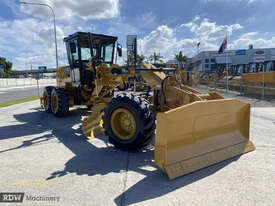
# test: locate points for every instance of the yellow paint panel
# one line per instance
(199, 134)
(256, 79)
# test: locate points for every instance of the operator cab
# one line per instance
(81, 47)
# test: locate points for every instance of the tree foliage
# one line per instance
(6, 64)
(182, 59)
(131, 61)
(140, 59)
(156, 57)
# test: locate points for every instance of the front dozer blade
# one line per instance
(200, 134)
(92, 125)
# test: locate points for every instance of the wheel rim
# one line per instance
(123, 124)
(46, 100)
(54, 102)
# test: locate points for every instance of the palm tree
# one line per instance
(181, 58)
(131, 60)
(155, 57)
(140, 59)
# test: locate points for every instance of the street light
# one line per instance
(40, 4)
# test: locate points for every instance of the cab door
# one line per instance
(74, 59)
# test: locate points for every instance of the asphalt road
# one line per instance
(8, 94)
(46, 156)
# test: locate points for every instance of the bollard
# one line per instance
(241, 80)
(227, 79)
(263, 82)
(208, 82)
(37, 87)
(215, 80)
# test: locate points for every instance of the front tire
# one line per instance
(59, 102)
(129, 122)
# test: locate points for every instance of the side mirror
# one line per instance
(73, 47)
(119, 50)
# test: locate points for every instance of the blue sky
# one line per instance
(26, 32)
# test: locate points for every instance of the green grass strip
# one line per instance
(17, 101)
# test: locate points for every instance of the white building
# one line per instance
(244, 60)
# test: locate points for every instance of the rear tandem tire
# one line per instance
(133, 109)
(47, 98)
(59, 102)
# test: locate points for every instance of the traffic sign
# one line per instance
(42, 68)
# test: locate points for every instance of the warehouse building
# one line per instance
(244, 60)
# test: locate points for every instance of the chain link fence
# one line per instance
(260, 84)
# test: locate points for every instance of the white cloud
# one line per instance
(148, 19)
(67, 9)
(166, 41)
(210, 35)
(211, 31)
(191, 25)
(197, 18)
(157, 40)
(247, 1)
(243, 42)
(251, 1)
(249, 34)
(163, 40)
(31, 42)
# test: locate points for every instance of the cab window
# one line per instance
(95, 52)
(75, 55)
(108, 53)
(102, 52)
(85, 54)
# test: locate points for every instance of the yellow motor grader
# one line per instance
(192, 130)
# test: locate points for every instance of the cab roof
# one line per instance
(86, 34)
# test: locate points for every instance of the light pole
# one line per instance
(40, 4)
